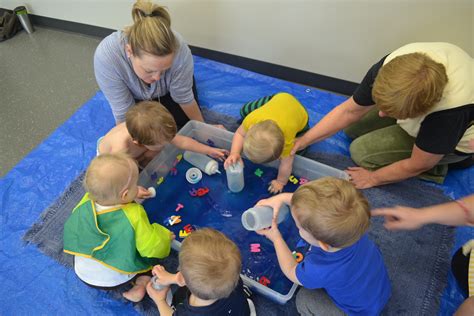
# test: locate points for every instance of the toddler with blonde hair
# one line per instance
(267, 133)
(209, 266)
(149, 126)
(110, 236)
(342, 267)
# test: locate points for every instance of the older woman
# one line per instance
(412, 115)
(147, 61)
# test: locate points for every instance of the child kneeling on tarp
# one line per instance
(343, 268)
(109, 235)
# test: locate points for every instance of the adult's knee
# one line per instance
(360, 152)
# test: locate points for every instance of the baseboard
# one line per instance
(277, 71)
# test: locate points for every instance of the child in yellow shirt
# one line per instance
(267, 133)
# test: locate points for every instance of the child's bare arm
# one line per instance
(285, 258)
(187, 143)
(236, 149)
(159, 297)
(284, 172)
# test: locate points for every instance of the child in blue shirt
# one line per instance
(333, 218)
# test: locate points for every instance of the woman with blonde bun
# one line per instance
(147, 61)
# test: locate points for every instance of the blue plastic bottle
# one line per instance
(260, 217)
(235, 177)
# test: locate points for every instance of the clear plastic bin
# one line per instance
(202, 132)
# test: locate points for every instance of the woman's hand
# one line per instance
(400, 218)
(299, 144)
(362, 178)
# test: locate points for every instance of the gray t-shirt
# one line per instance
(121, 86)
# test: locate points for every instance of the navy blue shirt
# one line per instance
(354, 277)
(236, 305)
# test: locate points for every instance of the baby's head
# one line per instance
(331, 211)
(264, 142)
(210, 264)
(150, 124)
(112, 179)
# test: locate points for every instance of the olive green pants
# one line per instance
(379, 142)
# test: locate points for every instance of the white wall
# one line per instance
(337, 38)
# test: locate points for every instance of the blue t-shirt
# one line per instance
(354, 277)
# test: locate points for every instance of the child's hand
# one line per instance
(143, 193)
(272, 233)
(157, 295)
(233, 159)
(274, 202)
(217, 153)
(275, 187)
(220, 126)
(164, 277)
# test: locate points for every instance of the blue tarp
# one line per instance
(33, 283)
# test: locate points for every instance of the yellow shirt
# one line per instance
(288, 113)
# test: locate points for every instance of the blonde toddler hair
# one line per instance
(151, 31)
(332, 211)
(264, 142)
(210, 263)
(150, 123)
(409, 85)
(107, 175)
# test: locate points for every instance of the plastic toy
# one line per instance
(193, 175)
(173, 171)
(210, 142)
(298, 256)
(264, 281)
(254, 247)
(293, 179)
(258, 172)
(160, 181)
(179, 157)
(203, 162)
(180, 206)
(260, 217)
(172, 220)
(235, 177)
(202, 191)
(183, 233)
(152, 192)
(188, 228)
(303, 180)
(193, 192)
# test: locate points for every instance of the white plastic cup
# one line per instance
(260, 217)
(235, 177)
(203, 162)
